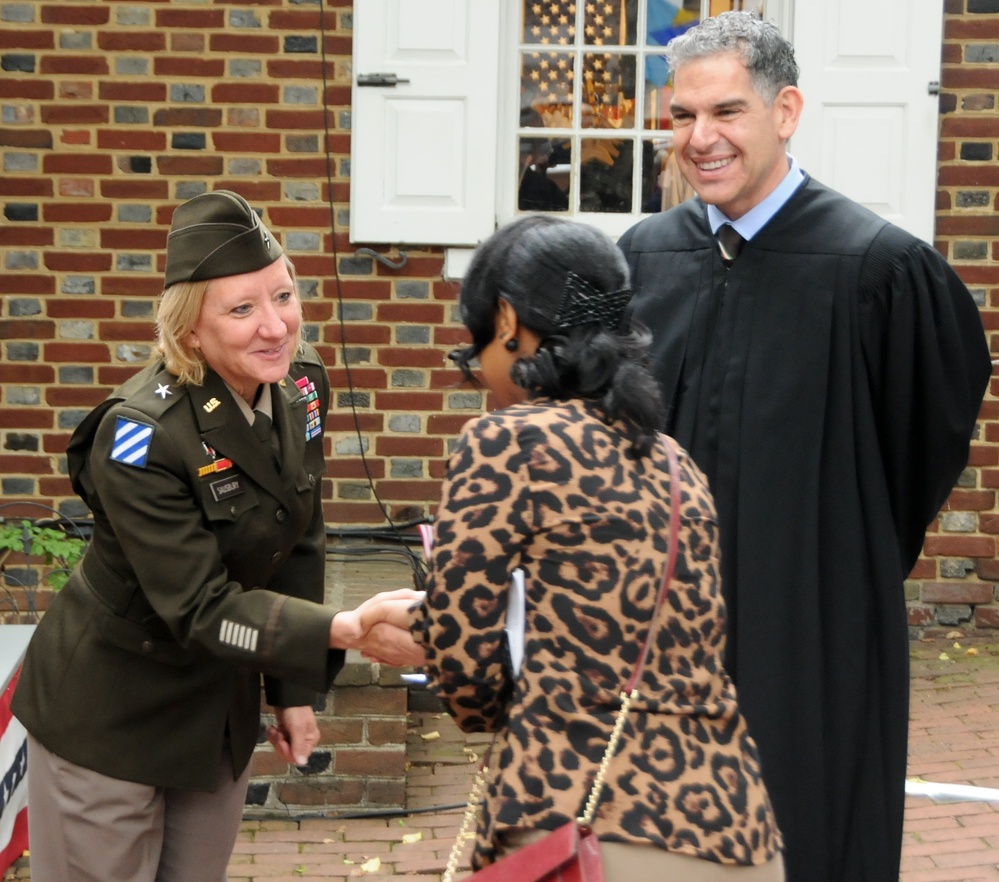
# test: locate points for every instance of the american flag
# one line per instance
(562, 28)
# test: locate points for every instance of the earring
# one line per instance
(511, 344)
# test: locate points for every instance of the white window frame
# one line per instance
(614, 224)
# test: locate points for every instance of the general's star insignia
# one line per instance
(163, 391)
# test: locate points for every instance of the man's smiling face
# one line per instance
(730, 145)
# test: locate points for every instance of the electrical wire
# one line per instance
(418, 564)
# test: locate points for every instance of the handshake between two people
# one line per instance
(380, 628)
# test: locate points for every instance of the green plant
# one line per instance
(59, 552)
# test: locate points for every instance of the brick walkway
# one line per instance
(954, 740)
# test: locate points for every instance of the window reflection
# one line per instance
(605, 174)
(610, 23)
(608, 91)
(594, 77)
(544, 175)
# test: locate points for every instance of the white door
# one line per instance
(423, 151)
(869, 127)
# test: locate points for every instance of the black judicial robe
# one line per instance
(828, 384)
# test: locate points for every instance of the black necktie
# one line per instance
(262, 425)
(730, 243)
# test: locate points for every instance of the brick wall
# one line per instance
(955, 581)
(113, 112)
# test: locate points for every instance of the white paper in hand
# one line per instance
(515, 615)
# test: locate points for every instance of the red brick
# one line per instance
(244, 44)
(956, 592)
(370, 701)
(356, 335)
(409, 401)
(132, 239)
(343, 467)
(15, 283)
(10, 186)
(39, 90)
(918, 616)
(959, 546)
(76, 353)
(411, 356)
(77, 212)
(137, 92)
(987, 569)
(61, 13)
(373, 763)
(131, 41)
(26, 329)
(74, 64)
(77, 261)
(246, 142)
(190, 165)
(987, 617)
(77, 164)
(136, 142)
(25, 39)
(190, 18)
(74, 396)
(78, 307)
(122, 330)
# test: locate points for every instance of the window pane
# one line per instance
(546, 89)
(610, 23)
(544, 175)
(719, 6)
(608, 91)
(667, 20)
(549, 23)
(605, 174)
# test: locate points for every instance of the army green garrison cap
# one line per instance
(217, 234)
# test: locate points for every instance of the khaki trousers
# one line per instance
(87, 827)
(626, 862)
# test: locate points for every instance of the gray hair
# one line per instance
(768, 56)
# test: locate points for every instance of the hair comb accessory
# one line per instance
(583, 304)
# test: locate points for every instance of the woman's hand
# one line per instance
(391, 645)
(295, 734)
(379, 628)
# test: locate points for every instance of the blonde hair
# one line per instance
(178, 311)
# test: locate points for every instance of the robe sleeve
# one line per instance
(929, 365)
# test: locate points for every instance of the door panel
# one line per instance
(869, 127)
(423, 151)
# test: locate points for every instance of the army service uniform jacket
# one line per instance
(205, 571)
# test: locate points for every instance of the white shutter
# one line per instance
(423, 152)
(869, 127)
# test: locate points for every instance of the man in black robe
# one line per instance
(827, 377)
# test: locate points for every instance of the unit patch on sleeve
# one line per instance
(131, 443)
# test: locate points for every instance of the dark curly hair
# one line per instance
(569, 284)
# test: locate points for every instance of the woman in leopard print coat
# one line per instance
(569, 481)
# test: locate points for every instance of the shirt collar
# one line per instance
(262, 404)
(759, 215)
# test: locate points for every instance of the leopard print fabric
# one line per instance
(552, 489)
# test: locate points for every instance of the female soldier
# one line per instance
(141, 686)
